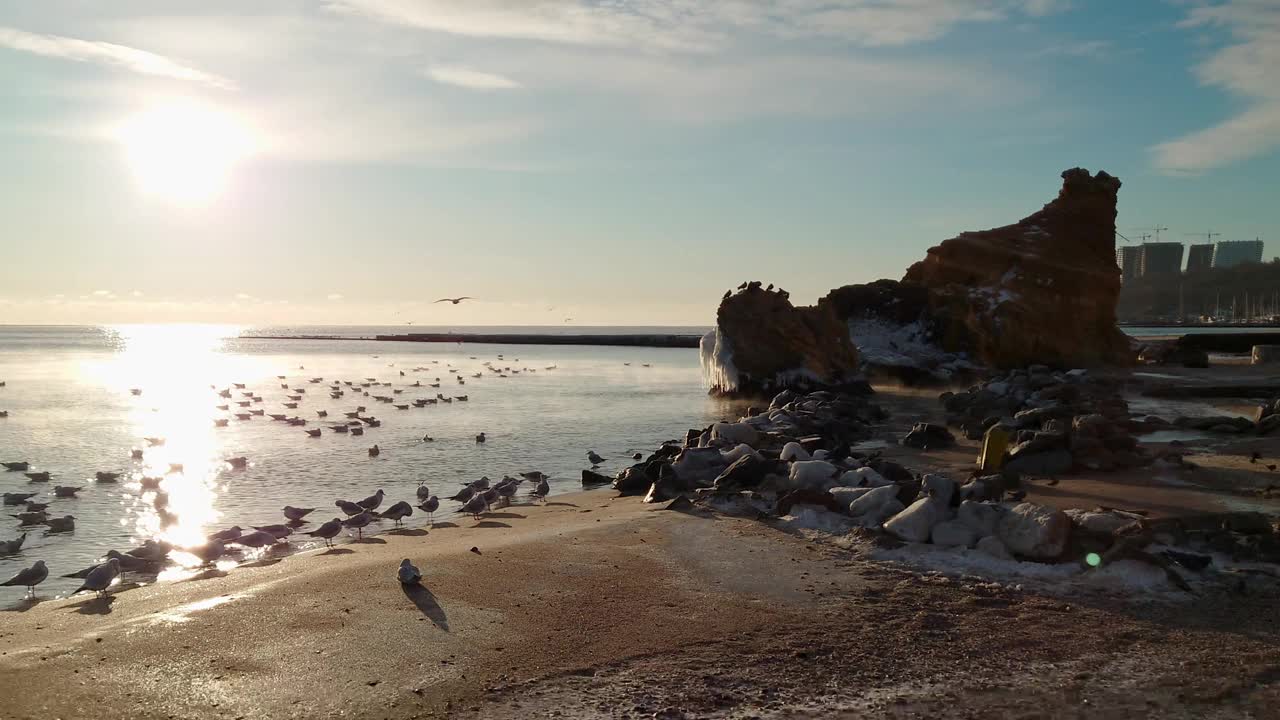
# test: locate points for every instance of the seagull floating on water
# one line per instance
(9, 547)
(66, 523)
(16, 466)
(480, 438)
(65, 491)
(297, 514)
(38, 476)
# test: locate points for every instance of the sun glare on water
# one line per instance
(185, 152)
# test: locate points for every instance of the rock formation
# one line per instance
(1043, 290)
(762, 341)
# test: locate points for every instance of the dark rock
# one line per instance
(808, 496)
(747, 471)
(590, 478)
(929, 435)
(1052, 462)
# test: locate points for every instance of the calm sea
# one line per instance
(72, 412)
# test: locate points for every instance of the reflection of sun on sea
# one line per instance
(183, 151)
(174, 365)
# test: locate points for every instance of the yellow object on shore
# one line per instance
(994, 443)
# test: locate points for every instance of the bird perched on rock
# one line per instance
(594, 458)
(327, 531)
(408, 574)
(397, 512)
(297, 514)
(100, 577)
(66, 523)
(28, 577)
(359, 522)
(372, 502)
(9, 547)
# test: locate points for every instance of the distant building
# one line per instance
(1128, 257)
(1230, 254)
(1160, 258)
(1199, 257)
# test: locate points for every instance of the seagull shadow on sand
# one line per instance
(369, 541)
(442, 525)
(491, 524)
(100, 605)
(426, 603)
(337, 551)
(408, 532)
(24, 604)
(208, 574)
(505, 515)
(560, 504)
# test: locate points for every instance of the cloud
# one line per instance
(1096, 49)
(243, 296)
(693, 25)
(335, 296)
(136, 293)
(102, 293)
(93, 51)
(468, 78)
(1246, 68)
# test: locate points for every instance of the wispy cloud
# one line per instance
(693, 25)
(1095, 49)
(469, 78)
(1246, 68)
(335, 296)
(93, 51)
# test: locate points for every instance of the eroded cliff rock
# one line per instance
(762, 342)
(1043, 290)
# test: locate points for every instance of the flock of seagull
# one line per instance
(474, 498)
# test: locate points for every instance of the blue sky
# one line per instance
(621, 162)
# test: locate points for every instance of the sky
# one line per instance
(591, 162)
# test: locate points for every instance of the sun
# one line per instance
(184, 152)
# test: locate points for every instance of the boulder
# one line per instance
(1042, 290)
(699, 466)
(762, 341)
(991, 545)
(929, 435)
(1103, 522)
(731, 456)
(846, 495)
(983, 518)
(1034, 531)
(953, 533)
(781, 400)
(915, 524)
(793, 451)
(747, 471)
(872, 501)
(864, 477)
(590, 478)
(939, 487)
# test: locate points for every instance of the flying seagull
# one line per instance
(455, 301)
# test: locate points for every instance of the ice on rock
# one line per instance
(737, 433)
(873, 502)
(741, 450)
(817, 474)
(794, 451)
(915, 524)
(864, 477)
(716, 356)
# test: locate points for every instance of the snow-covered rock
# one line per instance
(916, 522)
(730, 456)
(873, 502)
(846, 495)
(982, 518)
(992, 546)
(816, 474)
(794, 451)
(953, 533)
(1034, 531)
(699, 465)
(1104, 522)
(735, 433)
(939, 487)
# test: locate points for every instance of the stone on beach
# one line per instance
(915, 524)
(991, 545)
(953, 533)
(1034, 531)
(812, 474)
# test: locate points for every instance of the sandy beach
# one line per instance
(591, 606)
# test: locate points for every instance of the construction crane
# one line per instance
(1209, 235)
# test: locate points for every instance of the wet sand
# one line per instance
(598, 607)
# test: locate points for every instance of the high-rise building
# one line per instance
(1239, 252)
(1128, 257)
(1199, 257)
(1160, 258)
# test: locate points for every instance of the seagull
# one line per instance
(427, 438)
(220, 422)
(475, 506)
(33, 506)
(357, 431)
(542, 489)
(9, 547)
(455, 301)
(239, 463)
(135, 454)
(507, 490)
(153, 550)
(27, 519)
(397, 512)
(38, 476)
(256, 539)
(375, 451)
(464, 494)
(297, 514)
(372, 502)
(31, 577)
(65, 491)
(429, 506)
(209, 552)
(106, 477)
(101, 577)
(16, 466)
(327, 531)
(423, 492)
(277, 531)
(315, 433)
(66, 523)
(480, 438)
(227, 535)
(359, 522)
(348, 507)
(408, 574)
(17, 498)
(594, 458)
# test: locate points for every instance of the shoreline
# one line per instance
(619, 340)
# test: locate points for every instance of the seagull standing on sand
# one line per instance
(101, 577)
(408, 574)
(475, 506)
(227, 535)
(542, 489)
(327, 531)
(256, 539)
(372, 502)
(359, 522)
(423, 492)
(30, 578)
(397, 512)
(455, 301)
(429, 506)
(348, 507)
